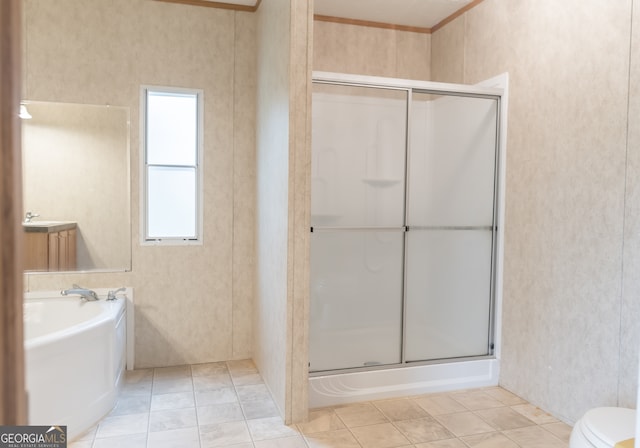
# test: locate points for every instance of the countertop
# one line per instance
(48, 226)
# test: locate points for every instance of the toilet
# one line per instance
(604, 428)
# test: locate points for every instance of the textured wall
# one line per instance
(371, 51)
(299, 208)
(568, 336)
(244, 183)
(283, 172)
(272, 170)
(630, 330)
(193, 303)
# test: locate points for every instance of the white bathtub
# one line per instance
(75, 355)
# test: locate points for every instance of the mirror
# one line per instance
(75, 161)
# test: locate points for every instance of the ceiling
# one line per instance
(410, 13)
(413, 13)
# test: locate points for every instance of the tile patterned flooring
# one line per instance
(226, 404)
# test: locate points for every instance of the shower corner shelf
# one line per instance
(382, 183)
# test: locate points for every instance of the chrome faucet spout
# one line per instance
(86, 294)
(113, 294)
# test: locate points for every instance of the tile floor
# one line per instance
(226, 404)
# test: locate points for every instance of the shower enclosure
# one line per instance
(404, 221)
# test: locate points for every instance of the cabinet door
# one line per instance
(53, 251)
(71, 250)
(37, 251)
(63, 250)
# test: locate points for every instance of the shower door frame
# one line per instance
(486, 90)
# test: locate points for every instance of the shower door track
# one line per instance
(407, 84)
(397, 365)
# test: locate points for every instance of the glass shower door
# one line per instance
(357, 219)
(449, 246)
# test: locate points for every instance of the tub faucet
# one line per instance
(113, 294)
(86, 294)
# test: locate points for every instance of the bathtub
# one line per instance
(75, 356)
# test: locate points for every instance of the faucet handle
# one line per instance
(112, 294)
(29, 216)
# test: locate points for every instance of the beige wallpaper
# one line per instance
(371, 51)
(193, 304)
(244, 183)
(299, 207)
(272, 214)
(630, 330)
(283, 170)
(447, 52)
(569, 339)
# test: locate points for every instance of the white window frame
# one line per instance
(171, 241)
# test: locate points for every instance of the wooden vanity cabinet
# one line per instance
(50, 247)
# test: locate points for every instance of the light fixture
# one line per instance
(24, 113)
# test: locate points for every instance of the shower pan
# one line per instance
(406, 236)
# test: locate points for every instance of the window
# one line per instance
(172, 151)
